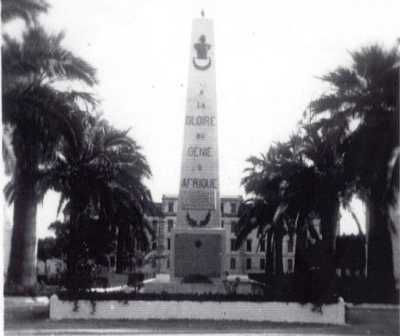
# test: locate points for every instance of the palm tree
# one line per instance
(99, 173)
(268, 179)
(39, 116)
(365, 94)
(257, 214)
(319, 147)
(291, 180)
(27, 10)
(133, 232)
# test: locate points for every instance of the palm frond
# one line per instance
(27, 10)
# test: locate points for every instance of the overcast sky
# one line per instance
(269, 55)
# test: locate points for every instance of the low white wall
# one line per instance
(194, 310)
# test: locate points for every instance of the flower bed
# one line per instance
(139, 309)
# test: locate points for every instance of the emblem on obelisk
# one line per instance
(201, 223)
(202, 61)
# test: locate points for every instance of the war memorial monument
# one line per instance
(198, 240)
(197, 243)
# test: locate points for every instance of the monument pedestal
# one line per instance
(198, 252)
(177, 287)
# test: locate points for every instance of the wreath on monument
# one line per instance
(201, 223)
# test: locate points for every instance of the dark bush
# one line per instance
(100, 282)
(78, 282)
(196, 278)
(295, 287)
(122, 296)
(360, 289)
(134, 279)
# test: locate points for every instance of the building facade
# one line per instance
(249, 258)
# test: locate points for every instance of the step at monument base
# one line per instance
(162, 284)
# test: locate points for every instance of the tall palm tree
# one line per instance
(100, 172)
(365, 94)
(39, 115)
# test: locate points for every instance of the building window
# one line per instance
(233, 208)
(154, 223)
(154, 245)
(168, 244)
(170, 224)
(233, 263)
(222, 207)
(290, 244)
(262, 263)
(233, 226)
(168, 263)
(170, 206)
(233, 244)
(222, 223)
(290, 265)
(248, 263)
(248, 245)
(262, 245)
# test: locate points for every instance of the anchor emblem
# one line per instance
(202, 61)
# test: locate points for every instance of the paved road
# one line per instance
(24, 316)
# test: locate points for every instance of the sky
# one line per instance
(269, 57)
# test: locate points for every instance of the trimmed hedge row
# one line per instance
(121, 296)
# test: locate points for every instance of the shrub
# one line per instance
(196, 278)
(123, 296)
(134, 279)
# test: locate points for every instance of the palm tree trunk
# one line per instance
(21, 276)
(330, 224)
(380, 266)
(120, 250)
(74, 251)
(73, 246)
(394, 214)
(269, 255)
(278, 253)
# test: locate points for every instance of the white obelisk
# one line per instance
(198, 240)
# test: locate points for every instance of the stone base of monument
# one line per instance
(180, 288)
(239, 284)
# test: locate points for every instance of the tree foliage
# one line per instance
(364, 94)
(347, 143)
(27, 10)
(362, 99)
(60, 144)
(36, 109)
(100, 174)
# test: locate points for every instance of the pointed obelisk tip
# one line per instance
(202, 13)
